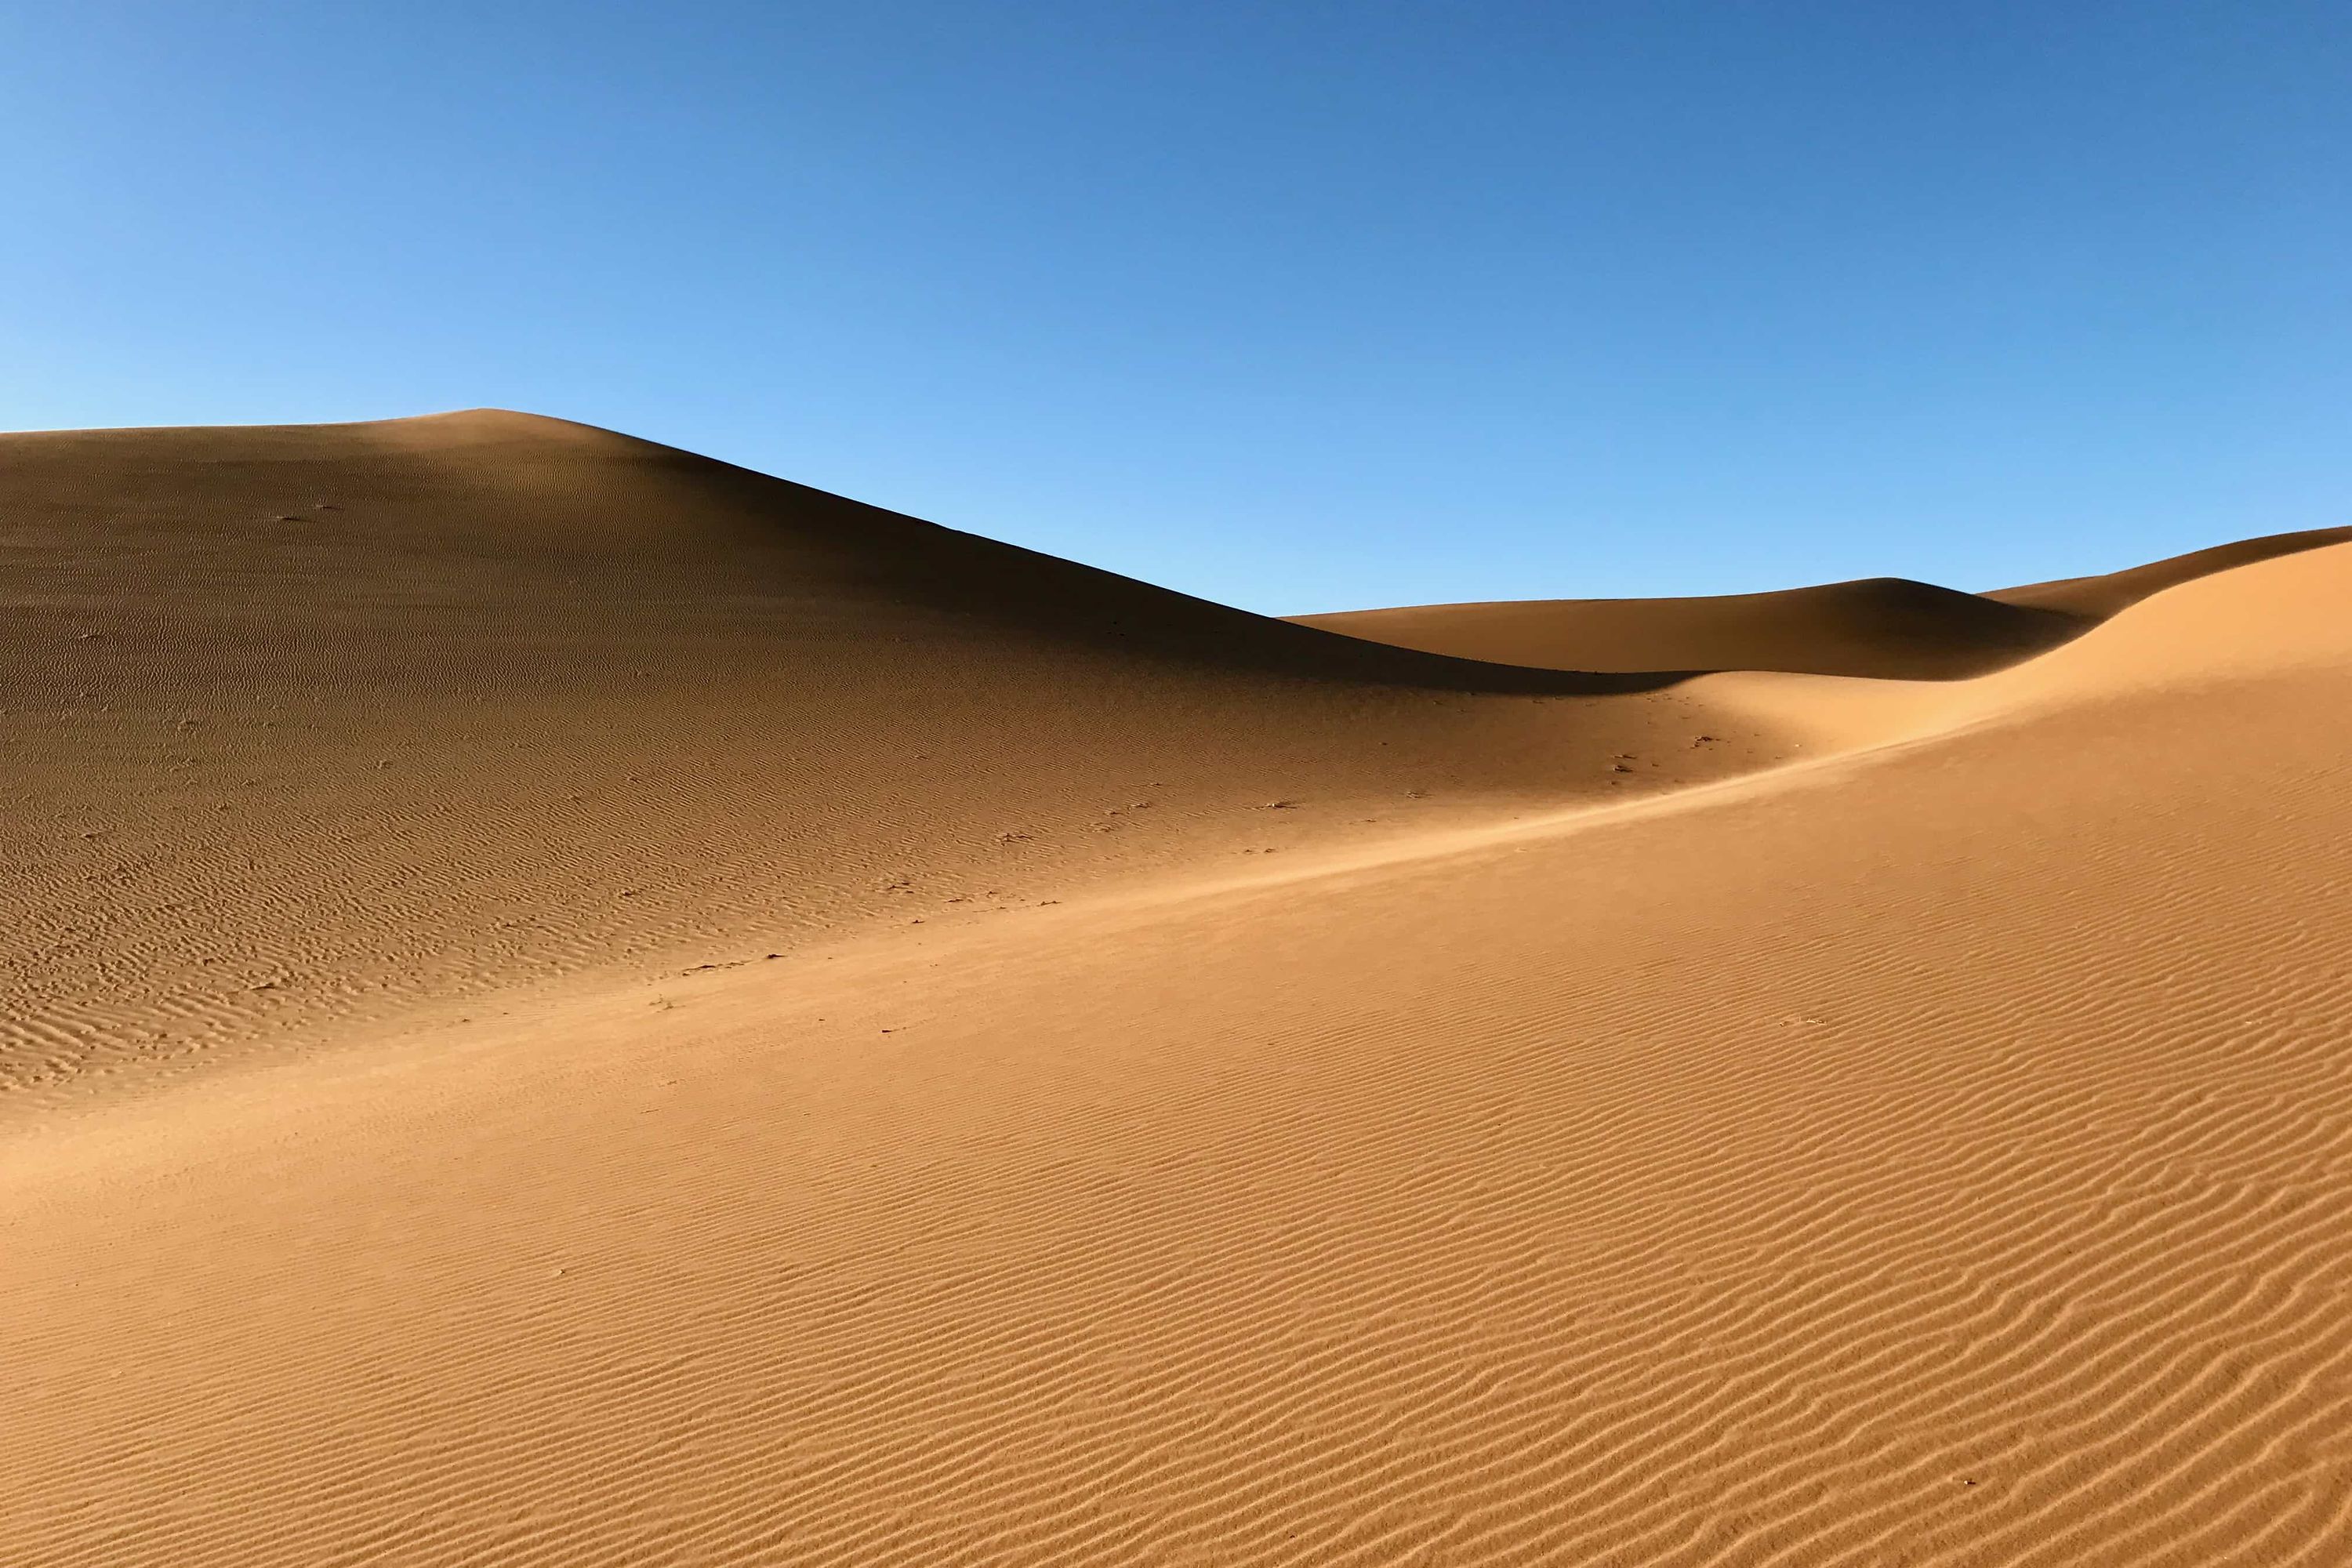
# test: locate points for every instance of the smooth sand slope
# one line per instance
(1883, 628)
(1933, 1150)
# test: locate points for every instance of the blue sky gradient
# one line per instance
(1297, 306)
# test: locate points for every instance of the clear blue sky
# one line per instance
(1299, 306)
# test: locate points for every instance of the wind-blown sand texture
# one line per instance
(1742, 1118)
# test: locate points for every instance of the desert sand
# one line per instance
(565, 1003)
(1883, 628)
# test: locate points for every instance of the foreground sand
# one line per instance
(1919, 1137)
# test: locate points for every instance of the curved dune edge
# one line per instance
(2109, 593)
(1931, 1155)
(1883, 628)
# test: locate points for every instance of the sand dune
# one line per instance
(2102, 595)
(1925, 1148)
(310, 723)
(1883, 628)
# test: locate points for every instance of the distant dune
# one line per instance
(1882, 627)
(571, 1003)
(2099, 597)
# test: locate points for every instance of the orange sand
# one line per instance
(1891, 1120)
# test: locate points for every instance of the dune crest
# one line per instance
(2108, 593)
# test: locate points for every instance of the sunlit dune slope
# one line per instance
(1884, 627)
(306, 723)
(1935, 1154)
(2104, 595)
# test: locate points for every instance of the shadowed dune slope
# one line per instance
(1888, 627)
(302, 722)
(1936, 1155)
(1883, 627)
